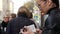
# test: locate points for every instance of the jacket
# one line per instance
(0, 29)
(52, 23)
(4, 24)
(3, 27)
(18, 23)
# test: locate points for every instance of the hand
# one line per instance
(45, 6)
(39, 31)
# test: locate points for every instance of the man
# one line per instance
(0, 29)
(12, 16)
(4, 24)
(38, 31)
(18, 23)
(52, 23)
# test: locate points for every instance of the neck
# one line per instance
(22, 15)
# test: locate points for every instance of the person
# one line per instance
(4, 24)
(31, 17)
(22, 19)
(0, 29)
(28, 31)
(52, 23)
(38, 31)
(12, 16)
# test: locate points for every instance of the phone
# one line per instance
(32, 28)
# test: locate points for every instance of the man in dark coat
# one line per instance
(4, 24)
(52, 23)
(19, 22)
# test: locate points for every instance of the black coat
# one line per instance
(4, 24)
(0, 29)
(18, 23)
(52, 23)
(3, 27)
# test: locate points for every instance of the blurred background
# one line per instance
(12, 6)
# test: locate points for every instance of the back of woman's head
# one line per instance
(23, 11)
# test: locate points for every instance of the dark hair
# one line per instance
(13, 15)
(31, 15)
(25, 12)
(56, 2)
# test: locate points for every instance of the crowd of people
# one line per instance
(19, 25)
(5, 22)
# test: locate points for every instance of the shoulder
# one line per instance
(20, 19)
(54, 12)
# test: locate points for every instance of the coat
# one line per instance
(0, 29)
(4, 24)
(18, 23)
(52, 23)
(3, 27)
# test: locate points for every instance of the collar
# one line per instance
(49, 11)
(22, 15)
